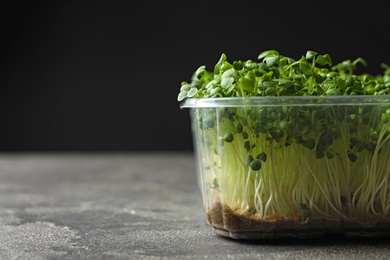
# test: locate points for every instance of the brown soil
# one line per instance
(229, 223)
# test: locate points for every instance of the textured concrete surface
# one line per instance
(130, 206)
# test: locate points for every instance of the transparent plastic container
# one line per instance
(272, 167)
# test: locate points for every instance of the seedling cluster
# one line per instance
(278, 75)
(298, 139)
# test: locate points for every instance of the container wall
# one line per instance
(271, 171)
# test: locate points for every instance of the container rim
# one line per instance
(257, 101)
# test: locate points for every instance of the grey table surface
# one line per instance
(124, 205)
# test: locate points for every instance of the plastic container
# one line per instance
(272, 167)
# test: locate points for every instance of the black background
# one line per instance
(104, 75)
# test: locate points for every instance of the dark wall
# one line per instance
(104, 75)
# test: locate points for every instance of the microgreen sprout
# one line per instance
(278, 75)
(309, 160)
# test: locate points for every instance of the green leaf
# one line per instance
(309, 143)
(373, 134)
(287, 83)
(262, 156)
(228, 137)
(333, 92)
(283, 124)
(306, 68)
(341, 83)
(222, 59)
(324, 60)
(329, 84)
(226, 82)
(318, 78)
(238, 65)
(352, 156)
(269, 84)
(229, 73)
(250, 65)
(270, 91)
(185, 87)
(249, 158)
(360, 60)
(200, 71)
(182, 95)
(268, 53)
(271, 60)
(192, 92)
(255, 165)
(310, 55)
(217, 69)
(226, 66)
(248, 82)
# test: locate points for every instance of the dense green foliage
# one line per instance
(278, 75)
(306, 156)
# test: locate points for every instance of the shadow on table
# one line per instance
(325, 240)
